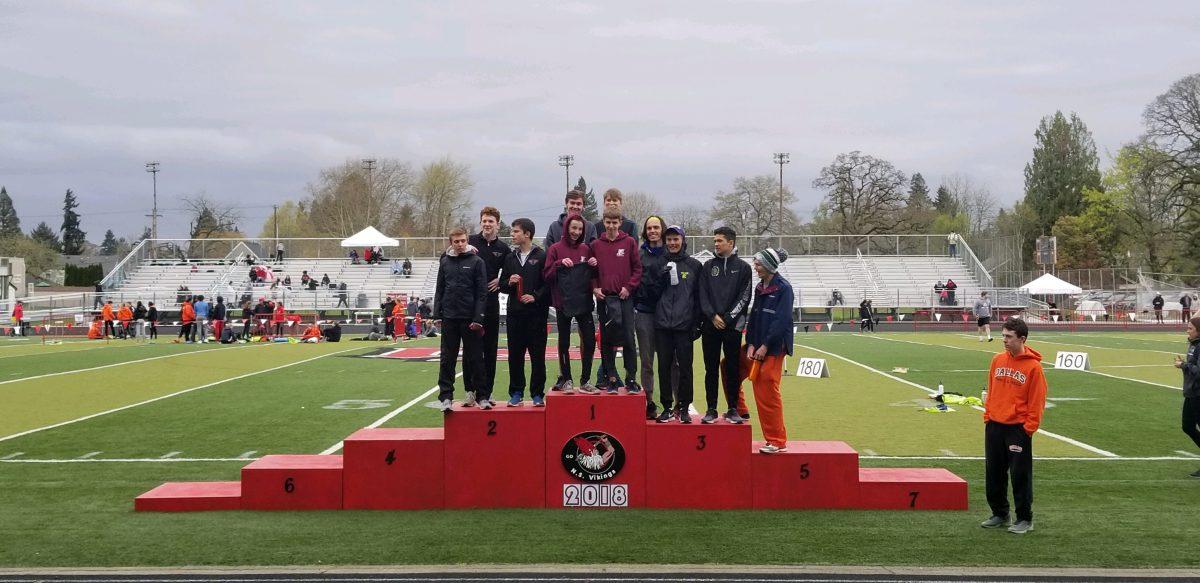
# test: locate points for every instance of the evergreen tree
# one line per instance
(918, 193)
(10, 224)
(590, 212)
(109, 245)
(73, 239)
(45, 235)
(945, 202)
(1064, 165)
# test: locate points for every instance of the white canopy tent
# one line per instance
(1050, 285)
(370, 237)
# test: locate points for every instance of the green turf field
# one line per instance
(85, 427)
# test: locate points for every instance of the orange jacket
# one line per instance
(279, 315)
(106, 312)
(188, 313)
(125, 314)
(1016, 390)
(313, 331)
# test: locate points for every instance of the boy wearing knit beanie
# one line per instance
(769, 337)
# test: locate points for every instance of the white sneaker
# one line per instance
(485, 404)
(771, 448)
(447, 405)
(470, 400)
(568, 388)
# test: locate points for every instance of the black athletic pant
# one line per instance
(718, 343)
(246, 328)
(152, 331)
(454, 333)
(185, 331)
(491, 341)
(1191, 418)
(674, 346)
(587, 345)
(608, 346)
(108, 328)
(527, 334)
(1009, 450)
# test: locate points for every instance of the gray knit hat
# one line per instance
(771, 258)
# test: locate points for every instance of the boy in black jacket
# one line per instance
(521, 279)
(676, 325)
(459, 304)
(492, 251)
(725, 286)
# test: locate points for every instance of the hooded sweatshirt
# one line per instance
(570, 287)
(1016, 390)
(618, 264)
(555, 233)
(1191, 370)
(679, 306)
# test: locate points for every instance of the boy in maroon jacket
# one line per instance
(618, 274)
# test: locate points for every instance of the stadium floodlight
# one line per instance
(152, 168)
(566, 160)
(781, 158)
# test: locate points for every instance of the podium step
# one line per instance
(911, 489)
(494, 458)
(190, 497)
(698, 466)
(595, 451)
(810, 474)
(394, 469)
(293, 482)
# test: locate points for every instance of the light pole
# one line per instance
(368, 164)
(781, 158)
(566, 160)
(152, 168)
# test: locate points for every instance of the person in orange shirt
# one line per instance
(125, 316)
(312, 334)
(1016, 398)
(106, 314)
(278, 318)
(398, 318)
(188, 314)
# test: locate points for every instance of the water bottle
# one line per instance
(674, 270)
(941, 390)
(983, 396)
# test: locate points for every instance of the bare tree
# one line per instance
(866, 195)
(442, 197)
(639, 205)
(975, 200)
(692, 218)
(752, 207)
(208, 218)
(347, 198)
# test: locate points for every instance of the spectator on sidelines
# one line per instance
(983, 316)
(952, 242)
(1016, 398)
(769, 337)
(493, 251)
(398, 319)
(725, 288)
(18, 319)
(333, 333)
(125, 317)
(247, 319)
(377, 254)
(152, 322)
(305, 278)
(106, 313)
(98, 299)
(1158, 302)
(676, 326)
(568, 272)
(219, 313)
(459, 300)
(836, 299)
(287, 281)
(202, 316)
(866, 316)
(410, 309)
(951, 288)
(187, 314)
(312, 334)
(407, 267)
(573, 204)
(343, 296)
(1190, 365)
(426, 312)
(354, 257)
(279, 318)
(279, 251)
(397, 269)
(139, 316)
(368, 257)
(1185, 305)
(325, 279)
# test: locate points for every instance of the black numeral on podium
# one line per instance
(391, 457)
(289, 485)
(491, 427)
(804, 472)
(913, 502)
(700, 442)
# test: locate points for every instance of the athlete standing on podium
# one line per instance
(459, 304)
(493, 251)
(769, 337)
(569, 270)
(618, 273)
(521, 279)
(676, 326)
(725, 285)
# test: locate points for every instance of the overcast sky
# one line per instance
(246, 101)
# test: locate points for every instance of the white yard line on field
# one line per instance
(127, 362)
(394, 412)
(176, 393)
(1064, 438)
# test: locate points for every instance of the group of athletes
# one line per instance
(651, 298)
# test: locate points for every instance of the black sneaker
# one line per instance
(633, 388)
(733, 417)
(685, 417)
(557, 385)
(613, 388)
(709, 417)
(651, 411)
(665, 416)
(745, 416)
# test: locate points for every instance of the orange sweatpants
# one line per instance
(766, 396)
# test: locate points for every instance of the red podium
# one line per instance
(579, 451)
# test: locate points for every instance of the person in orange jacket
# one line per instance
(188, 314)
(312, 334)
(278, 318)
(1016, 398)
(125, 316)
(106, 314)
(398, 319)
